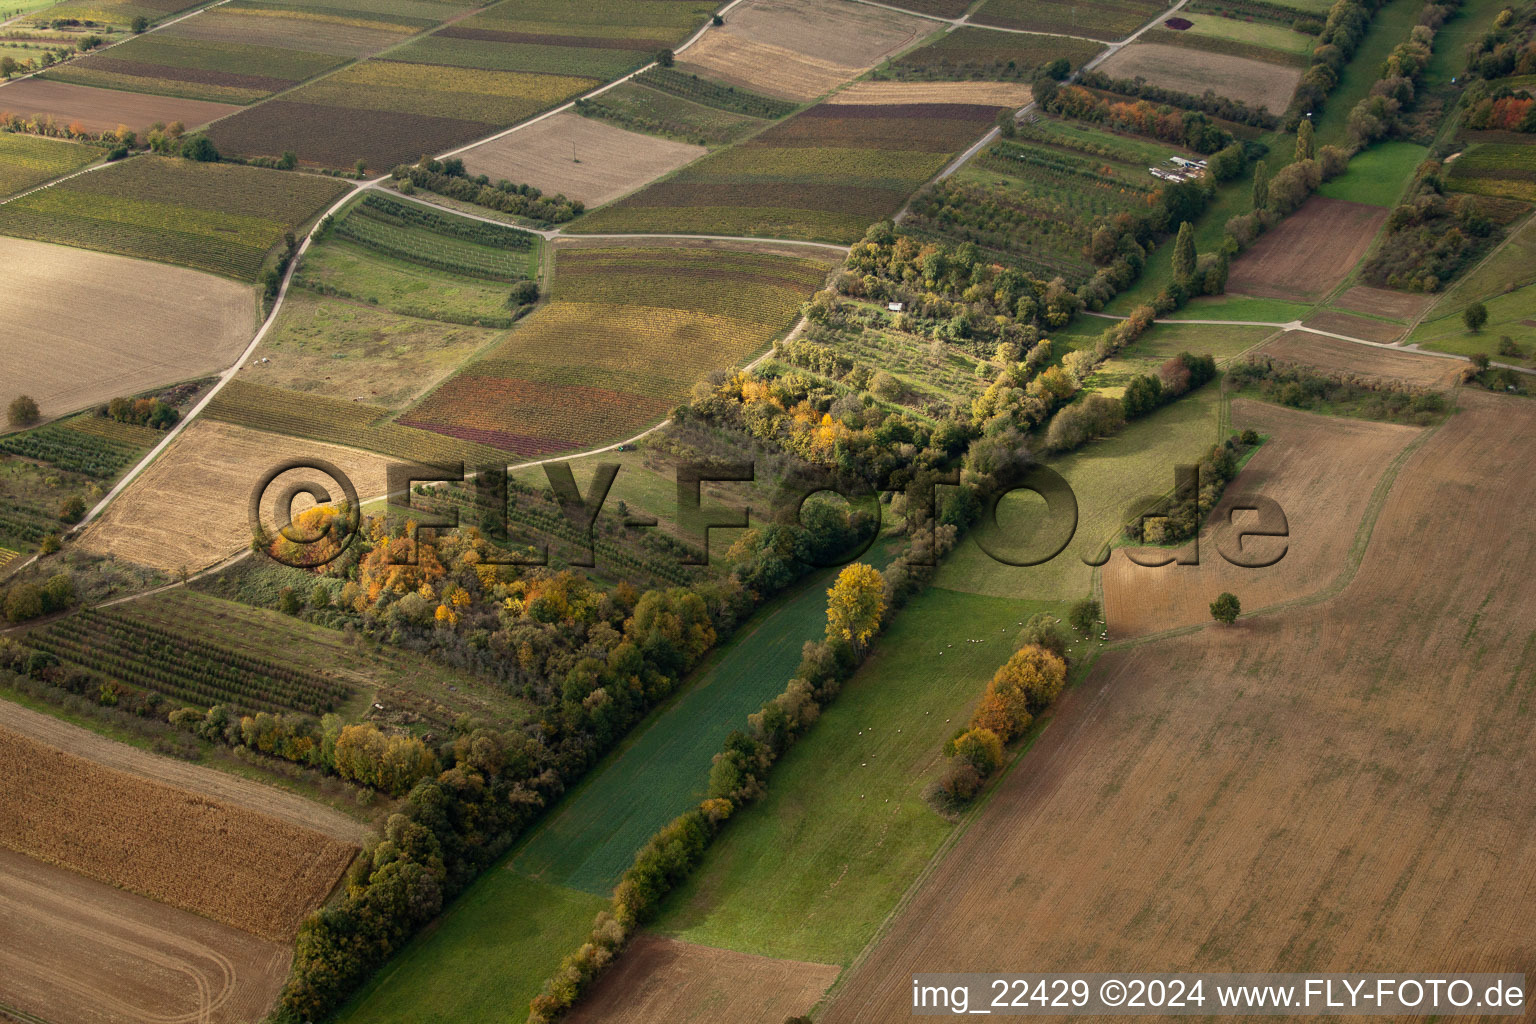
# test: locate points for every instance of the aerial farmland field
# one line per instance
(102, 110)
(26, 161)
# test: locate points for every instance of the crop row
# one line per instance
(397, 211)
(434, 251)
(184, 668)
(73, 450)
(714, 94)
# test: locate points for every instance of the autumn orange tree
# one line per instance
(854, 605)
(1024, 686)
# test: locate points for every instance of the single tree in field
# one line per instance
(665, 58)
(854, 605)
(1305, 144)
(1083, 615)
(1475, 316)
(22, 411)
(140, 23)
(1260, 186)
(1226, 608)
(1184, 253)
(73, 510)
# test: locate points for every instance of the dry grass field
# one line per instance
(189, 509)
(1321, 470)
(1238, 78)
(217, 785)
(800, 49)
(585, 159)
(1355, 326)
(1309, 253)
(1362, 298)
(1330, 355)
(664, 981)
(91, 326)
(246, 870)
(102, 110)
(1340, 787)
(80, 950)
(999, 94)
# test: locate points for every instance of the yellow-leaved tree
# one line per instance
(854, 605)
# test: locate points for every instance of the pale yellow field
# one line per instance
(83, 327)
(189, 509)
(1002, 94)
(1174, 67)
(585, 159)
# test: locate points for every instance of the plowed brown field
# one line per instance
(246, 870)
(1355, 326)
(1253, 82)
(1383, 302)
(664, 981)
(102, 110)
(1321, 470)
(79, 950)
(1331, 355)
(1344, 786)
(1309, 253)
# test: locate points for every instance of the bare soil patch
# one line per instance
(1309, 253)
(664, 981)
(1321, 470)
(189, 509)
(801, 49)
(220, 786)
(91, 326)
(1384, 302)
(101, 110)
(80, 950)
(1331, 355)
(252, 872)
(1329, 788)
(1356, 327)
(1253, 82)
(999, 94)
(581, 157)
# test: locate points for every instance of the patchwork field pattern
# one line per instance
(1259, 765)
(630, 330)
(1506, 170)
(252, 872)
(1104, 19)
(102, 110)
(93, 326)
(582, 158)
(823, 175)
(1256, 83)
(119, 13)
(800, 49)
(1309, 253)
(969, 53)
(81, 950)
(219, 217)
(990, 94)
(229, 55)
(27, 160)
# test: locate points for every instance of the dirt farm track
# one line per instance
(1295, 792)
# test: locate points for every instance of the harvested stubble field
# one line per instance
(205, 478)
(800, 49)
(91, 326)
(1356, 326)
(1309, 253)
(387, 112)
(220, 217)
(1102, 19)
(969, 52)
(1324, 472)
(79, 950)
(1253, 82)
(1330, 355)
(252, 872)
(1329, 788)
(661, 979)
(584, 159)
(823, 175)
(102, 110)
(229, 55)
(27, 160)
(989, 94)
(630, 330)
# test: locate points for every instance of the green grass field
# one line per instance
(1256, 33)
(1510, 314)
(1111, 478)
(1378, 175)
(1513, 265)
(1165, 341)
(1391, 26)
(811, 871)
(483, 960)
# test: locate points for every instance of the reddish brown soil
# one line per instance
(1330, 355)
(102, 110)
(1309, 253)
(1356, 327)
(1384, 302)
